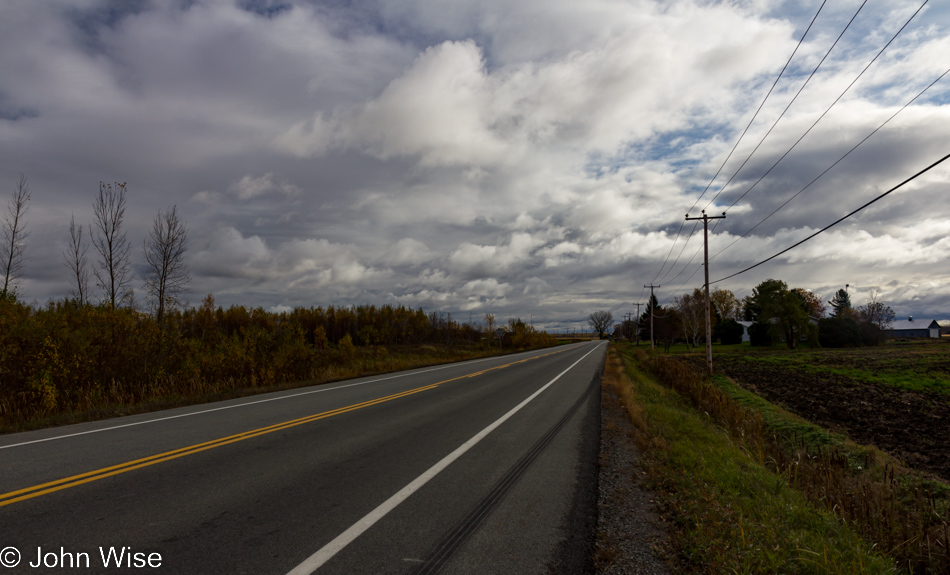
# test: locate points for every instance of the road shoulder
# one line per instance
(629, 531)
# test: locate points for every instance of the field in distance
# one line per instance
(894, 396)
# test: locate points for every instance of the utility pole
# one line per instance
(651, 286)
(706, 219)
(637, 322)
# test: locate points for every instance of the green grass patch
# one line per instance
(794, 429)
(681, 348)
(800, 434)
(729, 512)
(915, 366)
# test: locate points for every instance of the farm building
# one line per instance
(911, 327)
(747, 324)
(745, 329)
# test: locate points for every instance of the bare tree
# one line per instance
(113, 272)
(14, 236)
(490, 321)
(600, 322)
(166, 276)
(876, 312)
(75, 259)
(691, 310)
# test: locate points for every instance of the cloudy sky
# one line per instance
(531, 159)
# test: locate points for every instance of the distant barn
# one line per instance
(911, 327)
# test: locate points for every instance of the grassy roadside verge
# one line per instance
(728, 512)
(361, 362)
(904, 513)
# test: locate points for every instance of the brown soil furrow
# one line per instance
(911, 425)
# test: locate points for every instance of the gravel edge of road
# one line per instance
(629, 531)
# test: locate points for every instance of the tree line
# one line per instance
(97, 348)
(66, 356)
(779, 315)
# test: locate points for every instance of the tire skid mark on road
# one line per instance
(90, 476)
(453, 540)
(329, 550)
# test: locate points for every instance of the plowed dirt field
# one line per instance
(893, 396)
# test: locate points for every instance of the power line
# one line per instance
(866, 138)
(685, 267)
(683, 249)
(759, 109)
(640, 297)
(792, 101)
(846, 90)
(741, 136)
(686, 282)
(841, 219)
(673, 245)
(754, 150)
(838, 99)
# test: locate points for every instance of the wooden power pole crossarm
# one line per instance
(705, 220)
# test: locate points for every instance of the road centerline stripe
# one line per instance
(72, 481)
(269, 399)
(318, 559)
(89, 476)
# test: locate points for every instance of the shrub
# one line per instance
(871, 334)
(728, 332)
(760, 335)
(838, 332)
(67, 357)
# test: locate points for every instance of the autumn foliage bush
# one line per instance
(66, 357)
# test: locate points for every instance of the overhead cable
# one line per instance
(741, 136)
(839, 220)
(792, 101)
(855, 147)
(838, 99)
(848, 88)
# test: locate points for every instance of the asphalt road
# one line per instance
(484, 467)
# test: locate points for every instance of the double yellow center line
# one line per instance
(74, 480)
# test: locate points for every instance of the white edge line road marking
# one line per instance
(316, 560)
(323, 389)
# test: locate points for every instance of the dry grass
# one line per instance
(614, 377)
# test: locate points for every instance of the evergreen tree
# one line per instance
(653, 307)
(841, 304)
